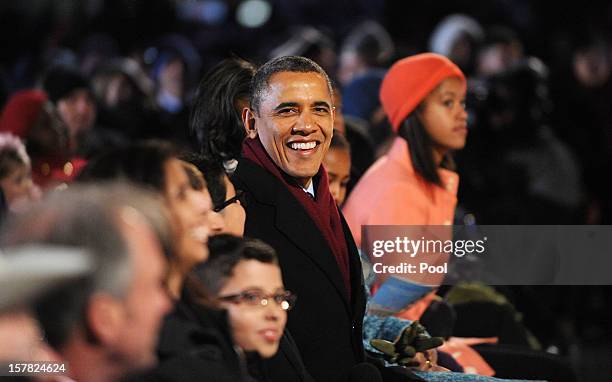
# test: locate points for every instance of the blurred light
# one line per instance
(150, 55)
(253, 13)
(211, 12)
(469, 219)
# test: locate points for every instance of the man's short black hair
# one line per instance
(225, 252)
(261, 79)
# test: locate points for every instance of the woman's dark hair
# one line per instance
(420, 147)
(215, 122)
(225, 252)
(141, 163)
(213, 174)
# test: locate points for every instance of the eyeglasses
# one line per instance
(238, 197)
(286, 299)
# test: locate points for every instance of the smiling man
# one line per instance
(289, 127)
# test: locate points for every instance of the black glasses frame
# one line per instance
(238, 197)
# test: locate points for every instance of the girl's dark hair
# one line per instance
(139, 163)
(225, 252)
(340, 142)
(215, 123)
(420, 147)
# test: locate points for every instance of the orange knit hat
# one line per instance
(410, 80)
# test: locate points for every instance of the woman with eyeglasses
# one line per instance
(227, 201)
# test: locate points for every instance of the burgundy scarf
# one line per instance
(322, 210)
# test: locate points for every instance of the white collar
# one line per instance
(310, 189)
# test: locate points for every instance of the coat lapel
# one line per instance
(294, 222)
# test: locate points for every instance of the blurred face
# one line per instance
(256, 327)
(20, 337)
(190, 213)
(350, 66)
(295, 123)
(78, 111)
(338, 117)
(592, 66)
(118, 91)
(18, 187)
(171, 77)
(337, 163)
(233, 214)
(445, 118)
(147, 301)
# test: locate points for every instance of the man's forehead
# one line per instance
(284, 84)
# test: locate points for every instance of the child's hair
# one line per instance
(339, 142)
(12, 154)
(421, 149)
(225, 252)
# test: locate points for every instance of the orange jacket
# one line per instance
(391, 193)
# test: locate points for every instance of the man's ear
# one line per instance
(248, 121)
(105, 317)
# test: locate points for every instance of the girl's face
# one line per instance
(256, 327)
(337, 163)
(189, 211)
(18, 187)
(444, 116)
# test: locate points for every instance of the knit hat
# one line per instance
(410, 80)
(61, 81)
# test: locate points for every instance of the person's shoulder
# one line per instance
(255, 181)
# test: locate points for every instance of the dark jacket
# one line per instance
(196, 344)
(326, 326)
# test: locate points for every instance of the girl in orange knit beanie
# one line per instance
(413, 184)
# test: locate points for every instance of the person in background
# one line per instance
(16, 173)
(27, 273)
(106, 326)
(337, 163)
(311, 42)
(155, 165)
(215, 119)
(71, 93)
(226, 200)
(500, 50)
(368, 46)
(458, 37)
(125, 99)
(366, 53)
(34, 120)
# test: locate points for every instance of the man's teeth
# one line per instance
(303, 146)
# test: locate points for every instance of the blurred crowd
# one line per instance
(95, 94)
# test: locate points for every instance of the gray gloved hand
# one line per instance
(413, 339)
